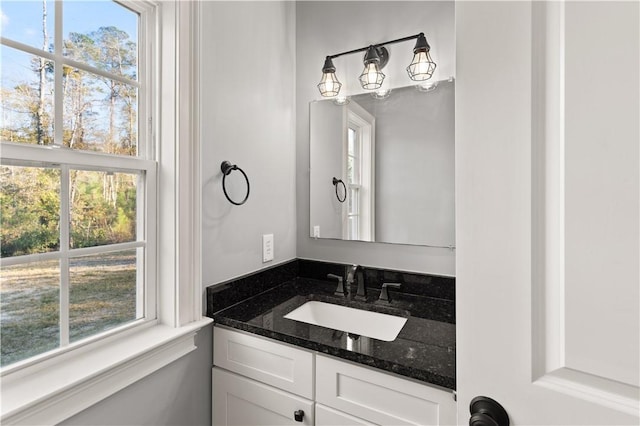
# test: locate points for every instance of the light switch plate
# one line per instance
(267, 248)
(316, 231)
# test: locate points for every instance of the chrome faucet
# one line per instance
(384, 292)
(355, 275)
(340, 290)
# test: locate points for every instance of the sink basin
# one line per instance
(365, 323)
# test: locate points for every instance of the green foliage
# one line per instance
(29, 210)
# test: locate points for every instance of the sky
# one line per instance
(22, 21)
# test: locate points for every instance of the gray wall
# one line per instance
(326, 210)
(247, 118)
(415, 179)
(178, 394)
(325, 28)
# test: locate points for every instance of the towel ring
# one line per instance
(227, 168)
(335, 183)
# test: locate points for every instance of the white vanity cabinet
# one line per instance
(258, 381)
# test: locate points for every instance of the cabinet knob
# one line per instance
(298, 415)
(487, 412)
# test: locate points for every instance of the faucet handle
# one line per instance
(340, 290)
(384, 294)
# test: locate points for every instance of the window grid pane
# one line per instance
(29, 306)
(102, 292)
(29, 210)
(27, 91)
(41, 17)
(103, 208)
(100, 114)
(108, 47)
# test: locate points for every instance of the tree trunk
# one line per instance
(40, 124)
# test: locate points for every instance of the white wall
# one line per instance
(178, 394)
(326, 28)
(247, 117)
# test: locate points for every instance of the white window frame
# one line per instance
(53, 388)
(353, 187)
(363, 123)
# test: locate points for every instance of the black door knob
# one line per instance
(298, 415)
(487, 412)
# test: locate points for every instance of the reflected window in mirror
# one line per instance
(358, 214)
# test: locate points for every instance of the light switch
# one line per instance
(267, 248)
(316, 231)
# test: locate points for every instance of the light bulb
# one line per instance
(422, 66)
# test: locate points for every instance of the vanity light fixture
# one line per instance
(329, 85)
(375, 58)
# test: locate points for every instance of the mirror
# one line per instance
(382, 170)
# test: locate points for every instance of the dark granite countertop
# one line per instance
(424, 349)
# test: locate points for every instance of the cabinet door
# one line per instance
(326, 416)
(379, 397)
(267, 361)
(244, 402)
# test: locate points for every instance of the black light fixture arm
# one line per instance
(363, 49)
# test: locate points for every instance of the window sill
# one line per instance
(53, 394)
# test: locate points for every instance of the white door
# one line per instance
(547, 210)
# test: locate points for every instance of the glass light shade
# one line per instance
(422, 67)
(371, 78)
(381, 94)
(341, 100)
(329, 85)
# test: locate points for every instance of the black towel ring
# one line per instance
(335, 183)
(227, 168)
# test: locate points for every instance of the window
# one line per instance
(77, 174)
(354, 165)
(360, 165)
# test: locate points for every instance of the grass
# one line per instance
(102, 295)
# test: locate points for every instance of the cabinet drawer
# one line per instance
(381, 398)
(326, 416)
(268, 362)
(240, 401)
